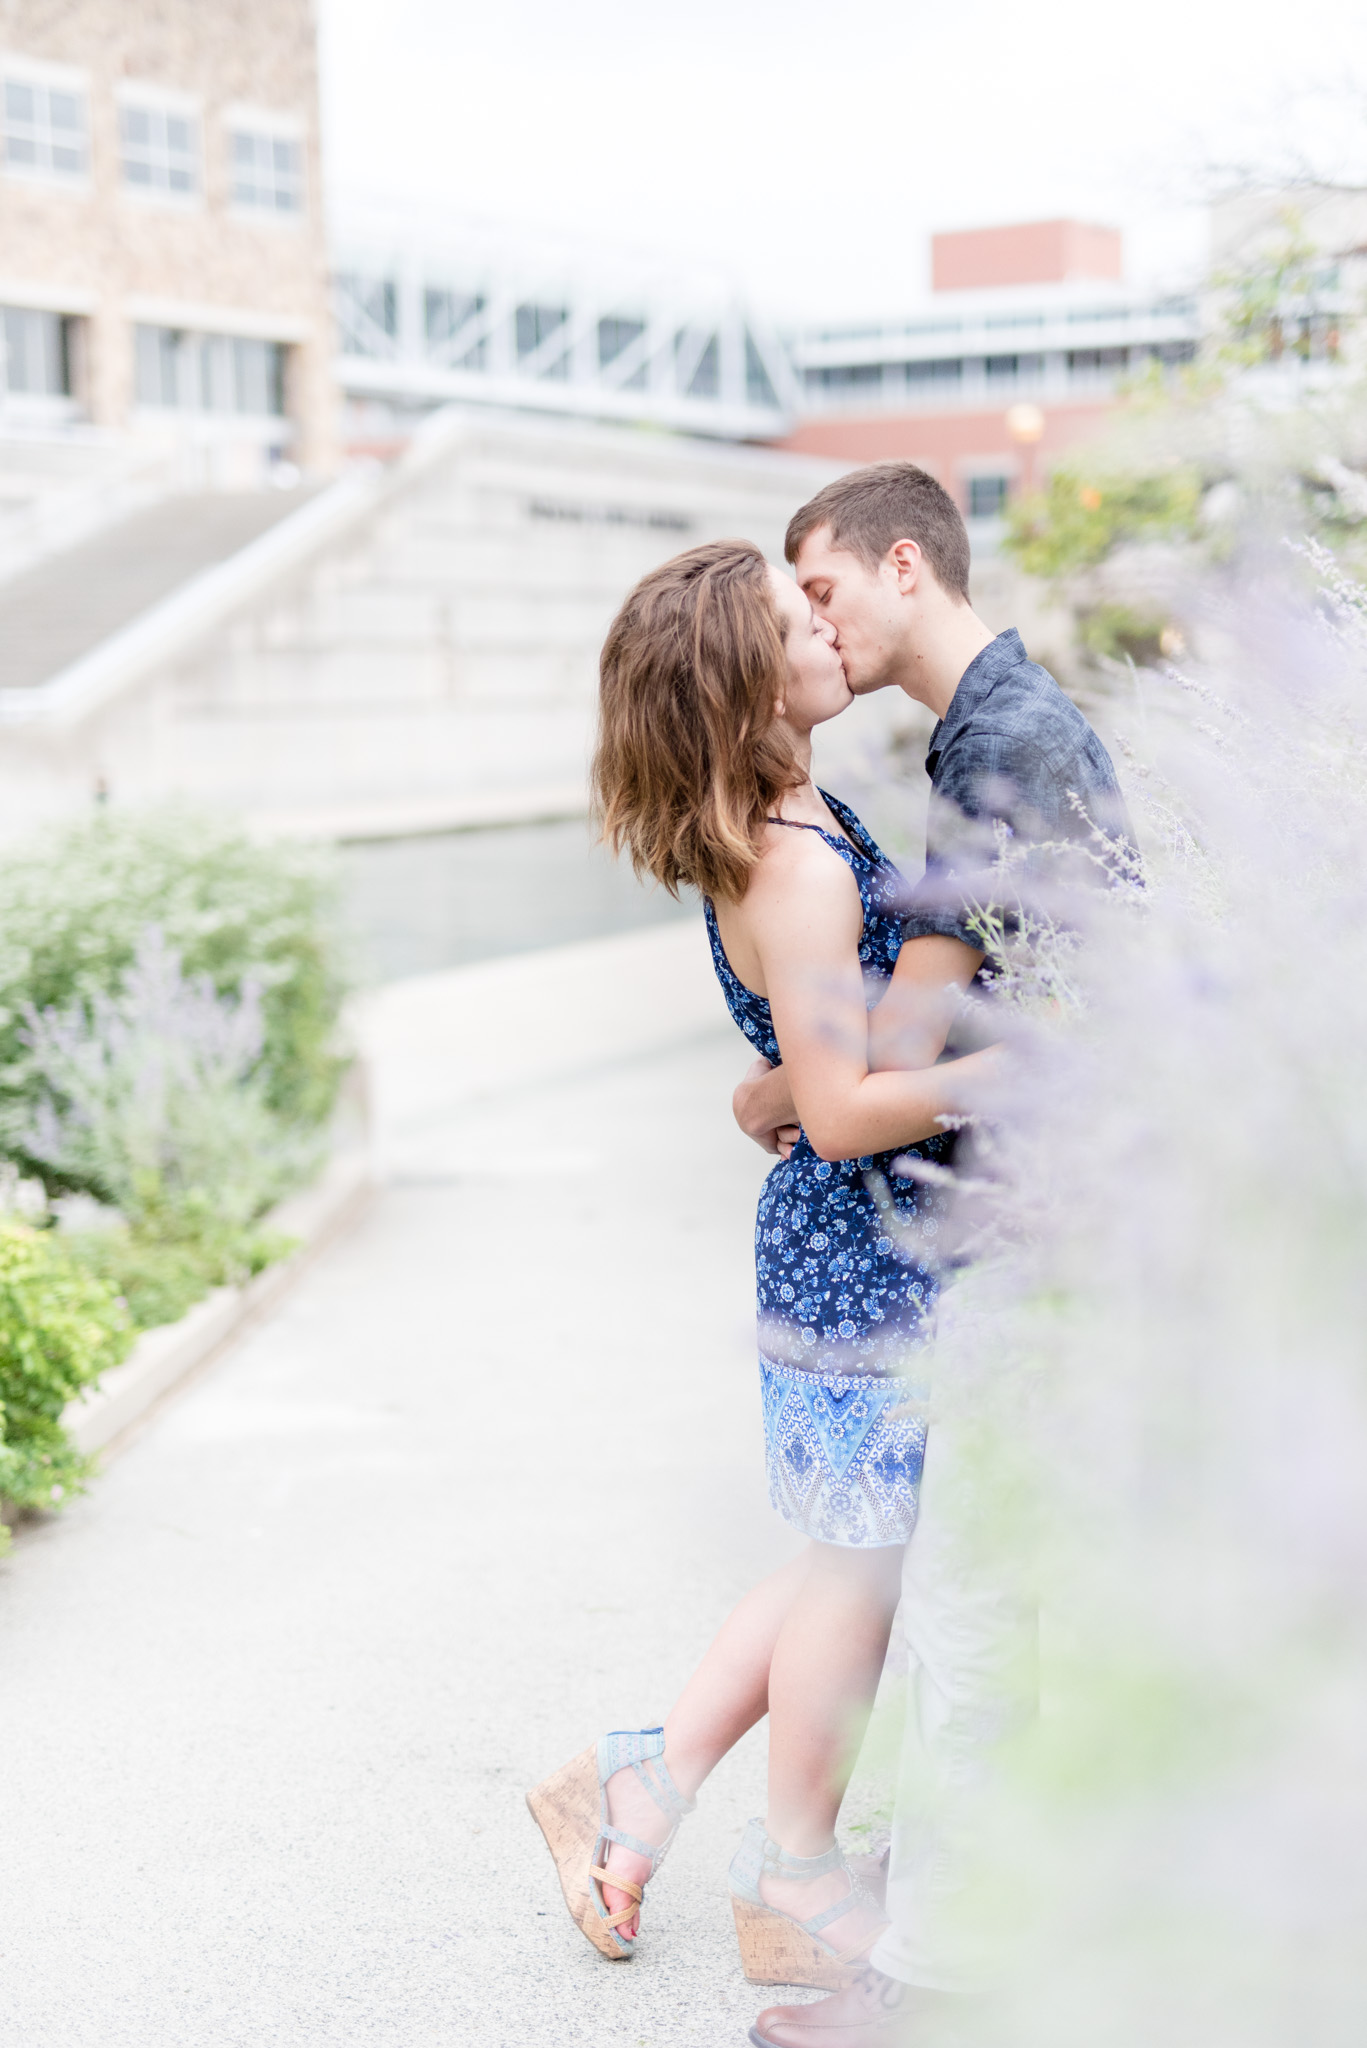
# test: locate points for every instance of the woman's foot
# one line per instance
(631, 1808)
(804, 1897)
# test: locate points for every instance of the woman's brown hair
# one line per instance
(690, 759)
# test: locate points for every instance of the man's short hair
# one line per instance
(871, 508)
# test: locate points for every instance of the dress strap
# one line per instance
(841, 844)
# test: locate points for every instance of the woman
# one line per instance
(714, 675)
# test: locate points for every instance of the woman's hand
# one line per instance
(763, 1107)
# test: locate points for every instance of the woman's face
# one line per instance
(816, 689)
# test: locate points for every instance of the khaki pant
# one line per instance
(970, 1622)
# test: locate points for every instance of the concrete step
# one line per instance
(60, 609)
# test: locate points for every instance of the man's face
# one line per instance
(864, 605)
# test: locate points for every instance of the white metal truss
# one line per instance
(428, 314)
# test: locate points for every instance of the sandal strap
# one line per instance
(856, 1895)
(628, 1841)
(642, 1750)
(620, 1919)
(654, 1775)
(759, 1856)
(779, 1863)
(619, 1884)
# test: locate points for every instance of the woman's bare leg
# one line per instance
(806, 1646)
(826, 1665)
(827, 1661)
(726, 1695)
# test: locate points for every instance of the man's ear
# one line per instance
(905, 556)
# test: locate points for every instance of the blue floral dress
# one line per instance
(844, 1260)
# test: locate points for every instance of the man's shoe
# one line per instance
(873, 2012)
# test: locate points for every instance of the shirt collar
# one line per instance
(979, 679)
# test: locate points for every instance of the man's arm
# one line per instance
(908, 1028)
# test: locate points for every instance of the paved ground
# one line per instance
(483, 1485)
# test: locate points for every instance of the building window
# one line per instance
(45, 129)
(846, 377)
(1001, 367)
(942, 370)
(367, 315)
(759, 386)
(1097, 359)
(446, 315)
(159, 146)
(37, 353)
(705, 381)
(615, 336)
(986, 497)
(536, 324)
(222, 373)
(268, 171)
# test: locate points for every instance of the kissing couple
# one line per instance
(846, 980)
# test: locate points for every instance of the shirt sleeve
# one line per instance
(989, 788)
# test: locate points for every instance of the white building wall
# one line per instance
(443, 651)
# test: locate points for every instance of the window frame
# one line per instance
(57, 347)
(272, 126)
(45, 78)
(208, 373)
(976, 479)
(166, 105)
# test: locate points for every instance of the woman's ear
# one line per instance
(779, 708)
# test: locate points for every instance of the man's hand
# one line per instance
(763, 1107)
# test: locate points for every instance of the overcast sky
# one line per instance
(811, 148)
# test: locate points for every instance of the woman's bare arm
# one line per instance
(803, 917)
(907, 1030)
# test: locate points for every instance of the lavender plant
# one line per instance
(1157, 1359)
(156, 1099)
(75, 901)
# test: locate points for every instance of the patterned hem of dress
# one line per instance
(844, 1453)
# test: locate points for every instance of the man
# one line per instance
(883, 555)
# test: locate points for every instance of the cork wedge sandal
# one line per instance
(775, 1947)
(571, 1810)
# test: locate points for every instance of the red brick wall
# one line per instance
(1038, 252)
(944, 441)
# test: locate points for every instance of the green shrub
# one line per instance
(60, 1328)
(1079, 518)
(75, 903)
(159, 1281)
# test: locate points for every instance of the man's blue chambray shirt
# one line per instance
(1011, 747)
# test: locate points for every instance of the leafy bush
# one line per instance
(155, 1100)
(75, 903)
(159, 1282)
(60, 1328)
(1080, 517)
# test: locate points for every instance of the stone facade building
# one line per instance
(162, 257)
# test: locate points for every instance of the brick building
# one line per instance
(162, 263)
(1016, 354)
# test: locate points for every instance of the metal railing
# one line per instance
(418, 330)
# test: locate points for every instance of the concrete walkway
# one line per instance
(483, 1485)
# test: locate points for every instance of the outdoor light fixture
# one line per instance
(1025, 425)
